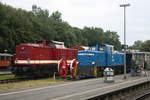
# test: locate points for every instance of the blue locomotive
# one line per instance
(92, 62)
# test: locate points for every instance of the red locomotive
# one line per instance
(43, 59)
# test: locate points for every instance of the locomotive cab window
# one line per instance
(60, 46)
(52, 45)
(111, 49)
(92, 48)
(102, 48)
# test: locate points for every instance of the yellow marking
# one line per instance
(95, 71)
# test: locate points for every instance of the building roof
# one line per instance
(5, 54)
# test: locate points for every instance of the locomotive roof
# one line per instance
(5, 54)
(41, 43)
(45, 44)
(57, 42)
(107, 45)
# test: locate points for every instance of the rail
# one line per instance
(13, 80)
(18, 79)
(143, 96)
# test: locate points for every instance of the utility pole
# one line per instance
(125, 68)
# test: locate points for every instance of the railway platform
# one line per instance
(76, 90)
(105, 88)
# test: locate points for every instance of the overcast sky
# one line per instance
(98, 13)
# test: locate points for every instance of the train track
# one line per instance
(13, 80)
(143, 96)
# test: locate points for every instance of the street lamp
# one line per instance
(124, 6)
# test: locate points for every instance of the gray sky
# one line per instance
(98, 13)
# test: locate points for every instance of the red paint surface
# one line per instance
(42, 51)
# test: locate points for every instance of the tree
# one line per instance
(142, 46)
(145, 46)
(56, 16)
(93, 35)
(137, 45)
(113, 39)
(20, 26)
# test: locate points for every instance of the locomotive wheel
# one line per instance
(73, 68)
(63, 68)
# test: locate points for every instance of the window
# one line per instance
(60, 46)
(8, 58)
(111, 49)
(51, 45)
(102, 48)
(2, 58)
(92, 48)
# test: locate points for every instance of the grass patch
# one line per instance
(31, 83)
(5, 77)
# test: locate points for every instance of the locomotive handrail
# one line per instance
(59, 63)
(71, 64)
(63, 67)
(73, 68)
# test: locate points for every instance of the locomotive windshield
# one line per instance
(102, 48)
(92, 48)
(111, 49)
(52, 45)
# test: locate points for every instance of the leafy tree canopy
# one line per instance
(21, 26)
(142, 46)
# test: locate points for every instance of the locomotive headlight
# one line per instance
(93, 62)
